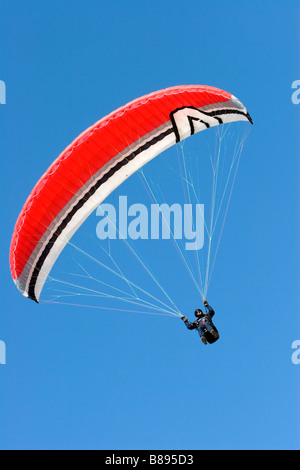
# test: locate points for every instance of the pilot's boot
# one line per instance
(214, 334)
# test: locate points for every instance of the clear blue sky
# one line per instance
(90, 379)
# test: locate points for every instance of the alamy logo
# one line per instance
(296, 94)
(2, 92)
(296, 353)
(161, 222)
(2, 353)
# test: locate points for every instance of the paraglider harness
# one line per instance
(208, 336)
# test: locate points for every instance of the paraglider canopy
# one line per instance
(98, 161)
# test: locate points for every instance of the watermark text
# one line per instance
(2, 352)
(161, 221)
(2, 92)
(296, 93)
(296, 353)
